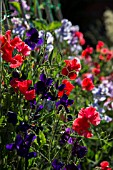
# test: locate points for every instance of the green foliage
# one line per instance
(16, 5)
(42, 25)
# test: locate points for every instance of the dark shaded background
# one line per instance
(86, 13)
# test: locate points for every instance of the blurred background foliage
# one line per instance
(95, 18)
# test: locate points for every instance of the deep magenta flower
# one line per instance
(42, 86)
(33, 39)
(72, 167)
(57, 165)
(64, 102)
(79, 151)
(66, 137)
(22, 146)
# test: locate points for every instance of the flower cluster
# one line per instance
(104, 165)
(104, 53)
(65, 88)
(72, 68)
(71, 35)
(87, 84)
(86, 117)
(35, 39)
(7, 47)
(23, 86)
(103, 94)
(22, 145)
(59, 165)
(44, 97)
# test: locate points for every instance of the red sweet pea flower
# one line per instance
(90, 114)
(81, 126)
(99, 45)
(86, 117)
(96, 71)
(7, 50)
(23, 48)
(105, 165)
(14, 84)
(87, 84)
(20, 46)
(72, 75)
(105, 54)
(24, 85)
(80, 37)
(7, 46)
(86, 53)
(15, 41)
(72, 68)
(30, 95)
(67, 89)
(16, 61)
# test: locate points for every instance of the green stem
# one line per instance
(23, 12)
(6, 22)
(53, 135)
(57, 9)
(38, 9)
(48, 11)
(26, 163)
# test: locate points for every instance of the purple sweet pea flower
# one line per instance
(37, 115)
(66, 137)
(72, 167)
(22, 146)
(33, 39)
(65, 102)
(57, 165)
(33, 103)
(79, 151)
(19, 30)
(42, 87)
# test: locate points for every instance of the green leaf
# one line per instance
(54, 25)
(42, 138)
(16, 5)
(40, 24)
(1, 120)
(50, 57)
(55, 57)
(20, 118)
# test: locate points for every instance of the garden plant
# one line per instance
(56, 92)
